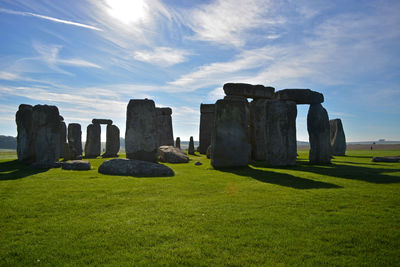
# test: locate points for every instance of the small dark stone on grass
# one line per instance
(198, 163)
(79, 165)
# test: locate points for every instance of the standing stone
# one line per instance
(280, 133)
(141, 130)
(319, 134)
(258, 129)
(206, 126)
(178, 143)
(230, 139)
(164, 127)
(67, 152)
(75, 140)
(63, 136)
(25, 141)
(191, 146)
(338, 139)
(112, 141)
(46, 125)
(93, 141)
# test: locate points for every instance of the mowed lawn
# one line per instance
(346, 213)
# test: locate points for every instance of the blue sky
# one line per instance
(90, 57)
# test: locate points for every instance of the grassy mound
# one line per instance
(346, 213)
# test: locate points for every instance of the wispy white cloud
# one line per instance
(8, 76)
(162, 56)
(77, 24)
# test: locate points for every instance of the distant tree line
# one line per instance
(8, 142)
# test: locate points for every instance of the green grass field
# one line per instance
(346, 213)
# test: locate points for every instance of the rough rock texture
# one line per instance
(386, 159)
(25, 141)
(300, 96)
(178, 143)
(172, 155)
(319, 134)
(164, 127)
(258, 129)
(75, 140)
(209, 151)
(136, 168)
(78, 165)
(249, 90)
(230, 139)
(206, 126)
(141, 130)
(67, 152)
(93, 141)
(46, 129)
(102, 121)
(191, 146)
(112, 141)
(280, 133)
(198, 163)
(338, 139)
(63, 137)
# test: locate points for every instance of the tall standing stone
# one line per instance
(206, 126)
(230, 139)
(338, 139)
(25, 141)
(75, 140)
(63, 136)
(280, 132)
(164, 127)
(178, 142)
(141, 130)
(319, 134)
(93, 141)
(258, 129)
(112, 141)
(191, 146)
(46, 125)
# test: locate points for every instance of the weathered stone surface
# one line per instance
(198, 163)
(102, 121)
(112, 141)
(46, 129)
(25, 141)
(319, 134)
(141, 139)
(280, 133)
(78, 165)
(164, 127)
(93, 141)
(63, 137)
(258, 129)
(191, 146)
(67, 152)
(230, 139)
(137, 168)
(178, 142)
(386, 159)
(209, 151)
(75, 140)
(206, 126)
(338, 139)
(172, 155)
(300, 96)
(249, 90)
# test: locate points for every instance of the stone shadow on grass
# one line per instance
(13, 170)
(277, 178)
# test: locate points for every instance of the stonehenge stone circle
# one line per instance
(206, 126)
(46, 124)
(337, 137)
(102, 121)
(300, 96)
(178, 142)
(172, 155)
(25, 141)
(319, 134)
(230, 139)
(75, 140)
(191, 146)
(164, 127)
(93, 141)
(141, 130)
(112, 141)
(63, 136)
(280, 133)
(248, 90)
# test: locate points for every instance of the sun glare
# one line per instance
(127, 11)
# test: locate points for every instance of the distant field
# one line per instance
(363, 147)
(346, 213)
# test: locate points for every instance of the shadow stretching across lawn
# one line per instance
(13, 170)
